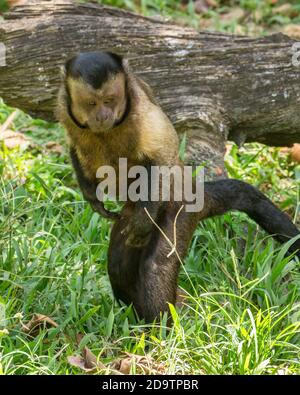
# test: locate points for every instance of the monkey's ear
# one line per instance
(65, 69)
(63, 73)
(125, 65)
(118, 58)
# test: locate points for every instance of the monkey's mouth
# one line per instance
(101, 129)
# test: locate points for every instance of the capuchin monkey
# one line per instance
(108, 114)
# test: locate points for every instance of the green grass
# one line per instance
(256, 17)
(242, 316)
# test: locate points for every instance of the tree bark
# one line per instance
(213, 86)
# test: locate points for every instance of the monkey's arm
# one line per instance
(147, 277)
(88, 189)
(140, 225)
(157, 146)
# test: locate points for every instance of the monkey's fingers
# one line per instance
(111, 215)
(99, 208)
(126, 230)
(130, 231)
(137, 241)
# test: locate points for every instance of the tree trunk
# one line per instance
(213, 86)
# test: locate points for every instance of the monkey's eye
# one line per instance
(109, 100)
(92, 103)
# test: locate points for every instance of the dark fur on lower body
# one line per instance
(147, 278)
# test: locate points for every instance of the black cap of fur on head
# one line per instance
(94, 68)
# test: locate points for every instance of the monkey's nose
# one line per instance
(102, 116)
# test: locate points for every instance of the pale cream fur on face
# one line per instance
(98, 108)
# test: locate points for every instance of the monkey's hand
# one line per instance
(99, 208)
(138, 230)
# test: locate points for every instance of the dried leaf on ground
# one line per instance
(235, 13)
(285, 10)
(292, 31)
(54, 147)
(295, 153)
(200, 6)
(79, 337)
(38, 322)
(87, 361)
(219, 171)
(13, 3)
(13, 139)
(144, 364)
(212, 3)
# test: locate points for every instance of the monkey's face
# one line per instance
(98, 109)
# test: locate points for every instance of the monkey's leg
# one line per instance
(147, 280)
(140, 226)
(88, 189)
(225, 195)
(123, 266)
(146, 276)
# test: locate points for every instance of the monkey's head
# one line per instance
(95, 85)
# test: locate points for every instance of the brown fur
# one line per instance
(147, 277)
(146, 134)
(140, 270)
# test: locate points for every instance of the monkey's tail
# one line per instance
(225, 195)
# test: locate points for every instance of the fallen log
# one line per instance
(214, 87)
